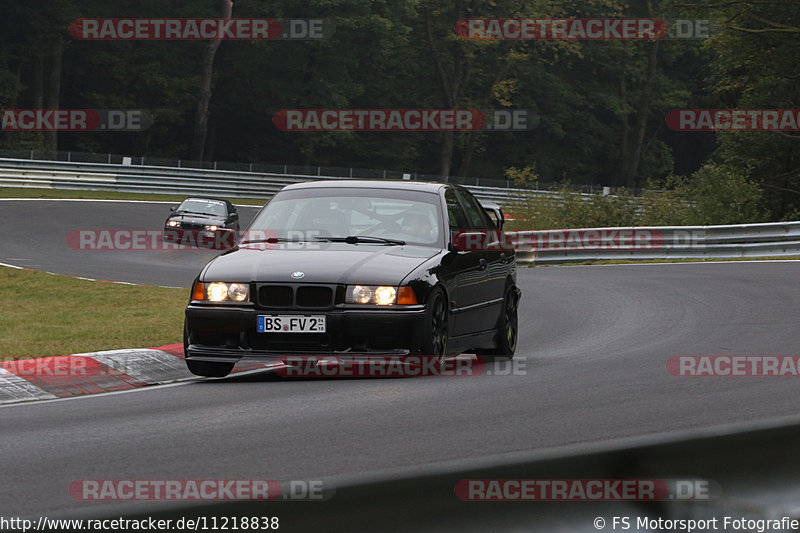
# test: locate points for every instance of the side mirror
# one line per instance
(466, 241)
(233, 216)
(173, 209)
(501, 219)
(496, 214)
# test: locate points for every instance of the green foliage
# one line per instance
(562, 207)
(714, 195)
(601, 104)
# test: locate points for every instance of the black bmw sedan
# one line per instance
(204, 222)
(356, 268)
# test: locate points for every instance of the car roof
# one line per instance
(408, 185)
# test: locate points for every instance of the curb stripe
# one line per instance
(148, 366)
(71, 375)
(15, 389)
(65, 376)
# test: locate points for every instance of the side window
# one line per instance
(478, 219)
(455, 213)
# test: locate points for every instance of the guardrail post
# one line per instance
(351, 172)
(179, 163)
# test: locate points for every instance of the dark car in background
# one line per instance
(356, 268)
(205, 222)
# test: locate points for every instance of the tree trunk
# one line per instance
(466, 158)
(446, 153)
(642, 112)
(623, 96)
(204, 97)
(452, 85)
(38, 83)
(54, 94)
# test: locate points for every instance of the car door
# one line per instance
(468, 270)
(492, 262)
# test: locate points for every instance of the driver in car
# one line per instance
(419, 225)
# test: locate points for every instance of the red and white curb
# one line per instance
(17, 267)
(64, 376)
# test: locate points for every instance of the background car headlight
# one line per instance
(211, 228)
(223, 292)
(173, 224)
(371, 294)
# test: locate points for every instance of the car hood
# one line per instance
(329, 263)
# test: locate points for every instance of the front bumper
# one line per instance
(228, 334)
(220, 239)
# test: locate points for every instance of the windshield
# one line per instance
(202, 207)
(307, 215)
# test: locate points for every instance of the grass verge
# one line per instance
(47, 314)
(23, 192)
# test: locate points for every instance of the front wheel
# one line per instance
(437, 314)
(209, 370)
(507, 329)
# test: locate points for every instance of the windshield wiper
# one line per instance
(273, 240)
(354, 239)
(182, 212)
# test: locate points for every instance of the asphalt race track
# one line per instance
(591, 367)
(39, 240)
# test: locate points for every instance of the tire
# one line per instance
(507, 329)
(437, 322)
(209, 370)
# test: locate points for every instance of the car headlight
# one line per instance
(371, 294)
(211, 228)
(173, 223)
(221, 292)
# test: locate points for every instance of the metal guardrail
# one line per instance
(681, 242)
(263, 168)
(772, 239)
(172, 180)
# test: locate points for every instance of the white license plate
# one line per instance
(290, 324)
